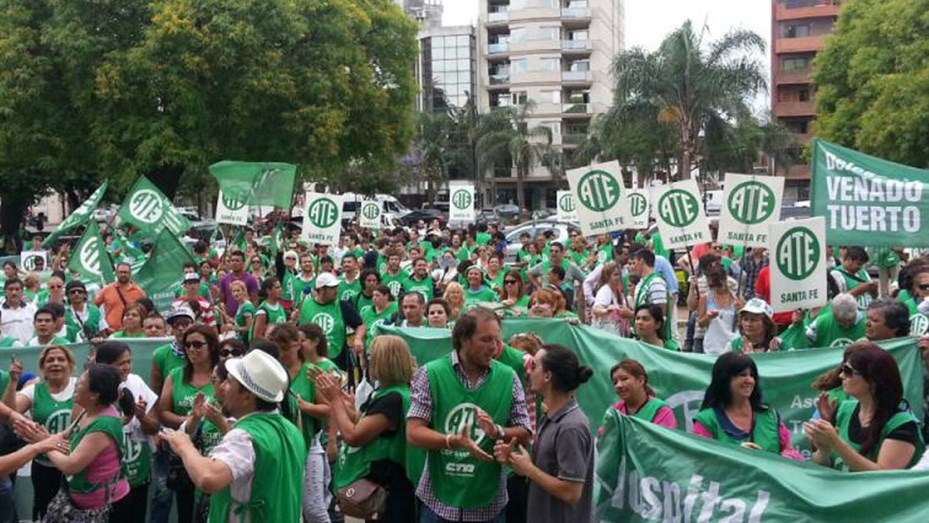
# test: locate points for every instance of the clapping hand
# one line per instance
(521, 461)
(822, 434)
(826, 408)
(502, 451)
(30, 430)
(463, 441)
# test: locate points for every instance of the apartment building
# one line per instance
(557, 53)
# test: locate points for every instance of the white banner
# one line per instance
(599, 197)
(34, 261)
(369, 214)
(750, 205)
(231, 209)
(322, 219)
(567, 211)
(679, 211)
(798, 264)
(460, 201)
(638, 208)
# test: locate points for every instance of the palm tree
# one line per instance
(506, 138)
(687, 83)
(432, 146)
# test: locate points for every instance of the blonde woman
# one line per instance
(375, 437)
(454, 296)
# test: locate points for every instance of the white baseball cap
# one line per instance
(261, 374)
(326, 279)
(758, 306)
(177, 312)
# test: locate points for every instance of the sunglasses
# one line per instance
(924, 287)
(235, 353)
(510, 281)
(77, 291)
(848, 370)
(195, 344)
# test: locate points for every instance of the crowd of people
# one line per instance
(277, 395)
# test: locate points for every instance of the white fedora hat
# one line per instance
(261, 374)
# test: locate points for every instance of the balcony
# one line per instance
(575, 76)
(573, 139)
(575, 46)
(825, 8)
(788, 109)
(800, 45)
(576, 13)
(499, 80)
(502, 48)
(577, 109)
(802, 76)
(498, 18)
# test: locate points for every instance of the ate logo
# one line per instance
(58, 421)
(235, 198)
(918, 324)
(751, 203)
(323, 212)
(325, 322)
(462, 199)
(598, 191)
(637, 204)
(371, 210)
(31, 263)
(798, 253)
(146, 206)
(566, 202)
(464, 416)
(90, 255)
(133, 448)
(678, 208)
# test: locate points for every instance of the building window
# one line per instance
(520, 65)
(796, 31)
(552, 97)
(796, 64)
(804, 95)
(549, 65)
(520, 97)
(518, 34)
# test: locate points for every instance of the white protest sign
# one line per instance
(460, 201)
(34, 261)
(567, 211)
(599, 197)
(638, 208)
(369, 214)
(798, 264)
(750, 205)
(679, 211)
(322, 219)
(232, 208)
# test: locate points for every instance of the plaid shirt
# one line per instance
(750, 269)
(423, 407)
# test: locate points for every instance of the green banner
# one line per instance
(150, 211)
(255, 183)
(164, 269)
(681, 378)
(89, 258)
(869, 201)
(142, 349)
(79, 217)
(649, 473)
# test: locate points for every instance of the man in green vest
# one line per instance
(652, 288)
(256, 472)
(333, 316)
(851, 277)
(460, 405)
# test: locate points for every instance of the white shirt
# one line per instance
(139, 389)
(17, 322)
(63, 395)
(237, 452)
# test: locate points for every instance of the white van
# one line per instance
(391, 208)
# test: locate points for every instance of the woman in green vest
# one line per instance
(271, 310)
(732, 410)
(54, 291)
(513, 296)
(95, 477)
(370, 281)
(136, 400)
(454, 296)
(649, 327)
(374, 440)
(50, 402)
(382, 308)
(875, 429)
(314, 347)
(181, 388)
(437, 313)
(245, 314)
(757, 330)
(477, 292)
(132, 322)
(636, 397)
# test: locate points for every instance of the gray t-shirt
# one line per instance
(564, 449)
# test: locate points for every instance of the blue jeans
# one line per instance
(426, 515)
(7, 501)
(162, 497)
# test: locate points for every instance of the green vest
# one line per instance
(604, 254)
(299, 286)
(458, 479)
(74, 325)
(424, 287)
(329, 318)
(273, 315)
(919, 324)
(183, 393)
(372, 319)
(240, 320)
(347, 291)
(843, 419)
(830, 334)
(277, 481)
(513, 359)
(54, 415)
(765, 430)
(304, 387)
(7, 341)
(853, 281)
(112, 426)
(641, 298)
(650, 409)
(166, 360)
(394, 282)
(137, 459)
(355, 462)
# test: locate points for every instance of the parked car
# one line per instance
(560, 229)
(426, 215)
(506, 211)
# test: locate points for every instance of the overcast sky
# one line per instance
(648, 21)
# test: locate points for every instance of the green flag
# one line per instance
(147, 208)
(681, 378)
(255, 183)
(868, 201)
(89, 258)
(80, 216)
(164, 269)
(127, 249)
(649, 473)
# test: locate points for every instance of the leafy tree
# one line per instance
(688, 82)
(432, 145)
(873, 80)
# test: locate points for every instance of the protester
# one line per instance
(270, 311)
(236, 262)
(561, 467)
(840, 325)
(874, 429)
(17, 315)
(477, 292)
(757, 331)
(370, 280)
(438, 313)
(193, 298)
(114, 297)
(155, 326)
(651, 288)
(454, 296)
(171, 356)
(610, 309)
(335, 317)
(886, 319)
(469, 374)
(414, 310)
(45, 330)
(636, 397)
(732, 409)
(420, 281)
(716, 311)
(649, 327)
(132, 322)
(852, 278)
(257, 468)
(83, 320)
(314, 348)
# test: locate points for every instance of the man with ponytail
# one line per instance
(561, 466)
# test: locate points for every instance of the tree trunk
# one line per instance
(12, 209)
(520, 196)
